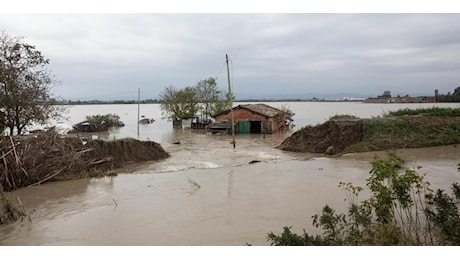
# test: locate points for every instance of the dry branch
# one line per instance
(33, 160)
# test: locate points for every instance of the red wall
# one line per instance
(243, 114)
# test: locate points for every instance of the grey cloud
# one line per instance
(97, 54)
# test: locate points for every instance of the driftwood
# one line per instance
(35, 159)
(27, 161)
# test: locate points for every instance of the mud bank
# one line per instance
(376, 134)
(49, 156)
(331, 137)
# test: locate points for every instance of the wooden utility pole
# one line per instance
(138, 109)
(230, 96)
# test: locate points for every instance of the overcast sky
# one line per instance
(110, 56)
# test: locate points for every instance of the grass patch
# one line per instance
(343, 116)
(394, 133)
(433, 111)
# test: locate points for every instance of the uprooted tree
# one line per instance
(25, 86)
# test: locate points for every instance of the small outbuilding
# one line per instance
(254, 119)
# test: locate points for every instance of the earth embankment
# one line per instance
(49, 156)
(376, 134)
(331, 137)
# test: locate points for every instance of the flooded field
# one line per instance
(206, 193)
(164, 204)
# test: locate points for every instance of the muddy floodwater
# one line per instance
(206, 193)
(202, 205)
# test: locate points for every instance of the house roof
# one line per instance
(262, 109)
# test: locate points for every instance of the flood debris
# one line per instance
(10, 212)
(48, 156)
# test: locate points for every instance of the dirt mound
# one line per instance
(332, 137)
(376, 134)
(128, 150)
(49, 156)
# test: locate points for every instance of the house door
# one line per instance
(256, 127)
(244, 127)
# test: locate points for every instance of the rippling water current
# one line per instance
(206, 193)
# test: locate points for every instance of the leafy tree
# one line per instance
(208, 94)
(25, 85)
(179, 104)
(212, 99)
(222, 103)
(204, 97)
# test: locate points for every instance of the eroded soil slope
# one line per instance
(362, 135)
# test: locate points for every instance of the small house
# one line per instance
(254, 119)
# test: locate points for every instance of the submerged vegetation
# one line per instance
(204, 98)
(401, 210)
(111, 120)
(9, 212)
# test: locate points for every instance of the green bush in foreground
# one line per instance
(401, 210)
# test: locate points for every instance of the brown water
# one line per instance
(206, 193)
(204, 196)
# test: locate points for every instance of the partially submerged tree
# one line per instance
(205, 98)
(25, 85)
(179, 104)
(110, 120)
(222, 103)
(212, 99)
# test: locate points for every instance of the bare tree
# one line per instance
(25, 85)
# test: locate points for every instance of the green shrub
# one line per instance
(111, 120)
(401, 210)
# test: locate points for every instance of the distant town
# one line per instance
(386, 97)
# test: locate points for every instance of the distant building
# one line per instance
(454, 97)
(387, 98)
(253, 119)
